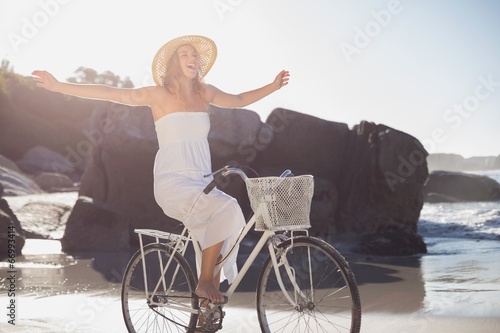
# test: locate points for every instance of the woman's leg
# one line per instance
(208, 284)
(216, 280)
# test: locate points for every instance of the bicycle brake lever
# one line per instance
(210, 187)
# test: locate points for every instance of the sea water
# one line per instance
(461, 271)
(469, 221)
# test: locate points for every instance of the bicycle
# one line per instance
(305, 284)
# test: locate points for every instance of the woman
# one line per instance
(180, 102)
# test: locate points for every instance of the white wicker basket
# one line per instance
(281, 203)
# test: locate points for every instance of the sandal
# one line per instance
(206, 301)
(210, 318)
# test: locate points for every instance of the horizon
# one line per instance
(429, 69)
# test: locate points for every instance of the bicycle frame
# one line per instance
(181, 242)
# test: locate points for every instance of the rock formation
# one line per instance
(11, 233)
(445, 186)
(372, 176)
(368, 180)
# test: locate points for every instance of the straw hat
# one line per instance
(205, 47)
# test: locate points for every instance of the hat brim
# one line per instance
(205, 47)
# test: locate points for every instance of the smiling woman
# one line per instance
(180, 103)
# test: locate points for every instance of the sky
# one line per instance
(430, 68)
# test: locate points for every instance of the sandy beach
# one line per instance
(458, 291)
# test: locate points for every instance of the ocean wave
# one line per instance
(472, 220)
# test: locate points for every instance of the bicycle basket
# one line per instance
(281, 203)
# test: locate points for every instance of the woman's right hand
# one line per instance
(45, 80)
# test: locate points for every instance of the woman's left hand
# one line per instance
(281, 79)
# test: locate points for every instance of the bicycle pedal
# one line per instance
(210, 302)
(219, 315)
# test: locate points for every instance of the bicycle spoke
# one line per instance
(163, 310)
(327, 296)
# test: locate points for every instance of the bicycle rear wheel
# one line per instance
(169, 309)
(327, 297)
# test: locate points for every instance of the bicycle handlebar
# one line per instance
(225, 171)
(228, 170)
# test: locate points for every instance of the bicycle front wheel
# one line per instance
(167, 304)
(322, 290)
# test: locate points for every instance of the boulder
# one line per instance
(378, 173)
(11, 233)
(95, 227)
(54, 182)
(384, 171)
(446, 186)
(383, 174)
(41, 159)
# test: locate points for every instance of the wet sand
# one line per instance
(457, 290)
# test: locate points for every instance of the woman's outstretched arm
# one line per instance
(222, 99)
(135, 96)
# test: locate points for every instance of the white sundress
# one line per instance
(181, 161)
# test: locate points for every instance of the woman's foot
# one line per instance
(206, 289)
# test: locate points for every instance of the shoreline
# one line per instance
(455, 288)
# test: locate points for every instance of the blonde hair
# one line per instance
(174, 83)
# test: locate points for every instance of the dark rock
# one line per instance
(41, 159)
(377, 171)
(11, 234)
(54, 182)
(382, 178)
(94, 227)
(459, 186)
